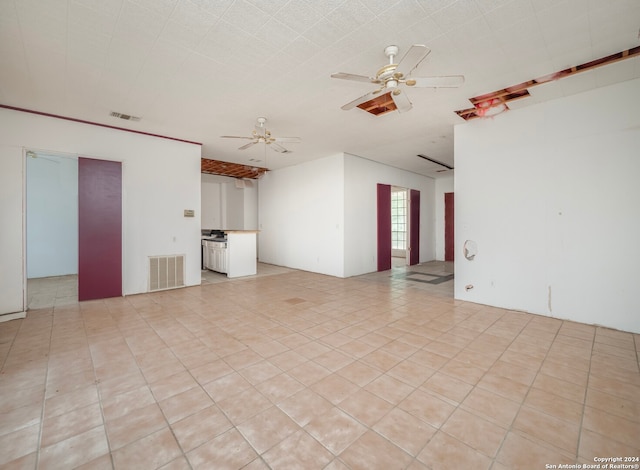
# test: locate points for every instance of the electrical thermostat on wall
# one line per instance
(189, 213)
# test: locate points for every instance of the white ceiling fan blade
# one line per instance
(362, 99)
(401, 100)
(411, 59)
(279, 148)
(357, 78)
(235, 137)
(451, 81)
(246, 146)
(286, 139)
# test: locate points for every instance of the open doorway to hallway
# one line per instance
(73, 222)
(405, 226)
(51, 229)
(399, 226)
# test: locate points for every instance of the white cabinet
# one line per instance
(215, 255)
(219, 257)
(235, 257)
(242, 253)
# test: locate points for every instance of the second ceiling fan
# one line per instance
(393, 76)
(262, 134)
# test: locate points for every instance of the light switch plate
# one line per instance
(189, 213)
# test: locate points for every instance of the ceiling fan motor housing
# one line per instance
(391, 52)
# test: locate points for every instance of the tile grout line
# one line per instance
(96, 381)
(529, 387)
(44, 396)
(492, 459)
(584, 398)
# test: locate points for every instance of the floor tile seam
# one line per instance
(492, 458)
(173, 434)
(635, 448)
(13, 341)
(487, 370)
(335, 456)
(617, 379)
(44, 399)
(584, 398)
(544, 412)
(246, 438)
(512, 427)
(146, 379)
(608, 343)
(147, 384)
(459, 406)
(635, 419)
(603, 358)
(370, 428)
(628, 357)
(541, 443)
(617, 417)
(100, 400)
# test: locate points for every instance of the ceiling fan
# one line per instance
(261, 134)
(392, 76)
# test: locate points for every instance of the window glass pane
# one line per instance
(399, 220)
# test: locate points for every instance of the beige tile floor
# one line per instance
(303, 371)
(52, 291)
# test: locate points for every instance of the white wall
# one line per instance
(161, 178)
(301, 215)
(443, 185)
(227, 205)
(360, 202)
(52, 215)
(12, 264)
(234, 206)
(320, 216)
(251, 205)
(211, 201)
(550, 194)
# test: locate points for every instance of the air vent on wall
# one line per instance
(166, 272)
(126, 117)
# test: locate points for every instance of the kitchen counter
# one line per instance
(235, 255)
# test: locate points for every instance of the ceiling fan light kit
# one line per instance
(393, 76)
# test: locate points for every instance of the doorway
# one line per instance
(51, 229)
(73, 229)
(398, 226)
(449, 229)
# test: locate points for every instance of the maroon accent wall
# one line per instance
(100, 229)
(448, 227)
(384, 227)
(414, 226)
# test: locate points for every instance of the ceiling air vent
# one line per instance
(126, 117)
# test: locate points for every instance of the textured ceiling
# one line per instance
(200, 69)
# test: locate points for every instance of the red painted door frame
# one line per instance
(414, 227)
(384, 227)
(99, 229)
(449, 227)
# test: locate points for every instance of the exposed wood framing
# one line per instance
(234, 170)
